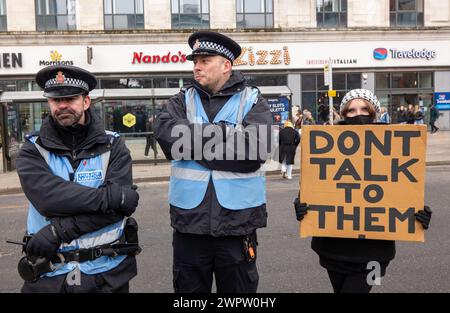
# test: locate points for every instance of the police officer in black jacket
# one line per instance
(78, 180)
(217, 204)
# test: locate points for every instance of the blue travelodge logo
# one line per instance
(83, 177)
(380, 53)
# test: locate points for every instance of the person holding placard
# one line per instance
(347, 259)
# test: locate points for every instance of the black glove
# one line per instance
(120, 199)
(301, 209)
(44, 243)
(424, 216)
(130, 199)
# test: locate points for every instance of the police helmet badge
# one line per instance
(60, 78)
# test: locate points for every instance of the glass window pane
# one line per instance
(382, 80)
(61, 6)
(205, 6)
(254, 21)
(269, 20)
(353, 81)
(107, 6)
(131, 24)
(308, 82)
(320, 19)
(309, 100)
(269, 6)
(407, 19)
(139, 21)
(50, 22)
(419, 5)
(240, 21)
(3, 25)
(343, 6)
(120, 21)
(190, 6)
(404, 80)
(108, 22)
(420, 19)
(392, 5)
(406, 5)
(330, 19)
(2, 7)
(61, 22)
(320, 83)
(393, 19)
(159, 82)
(254, 6)
(175, 6)
(338, 81)
(123, 6)
(50, 7)
(320, 6)
(239, 6)
(139, 6)
(426, 79)
(342, 20)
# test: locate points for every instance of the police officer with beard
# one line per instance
(216, 204)
(77, 178)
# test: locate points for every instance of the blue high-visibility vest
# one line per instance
(189, 180)
(91, 172)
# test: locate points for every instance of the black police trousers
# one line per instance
(113, 281)
(198, 257)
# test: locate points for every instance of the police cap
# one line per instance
(60, 81)
(212, 43)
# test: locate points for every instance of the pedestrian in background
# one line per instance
(434, 115)
(289, 139)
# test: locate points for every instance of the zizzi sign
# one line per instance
(250, 56)
(382, 54)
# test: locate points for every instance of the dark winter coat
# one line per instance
(72, 208)
(210, 218)
(289, 138)
(352, 255)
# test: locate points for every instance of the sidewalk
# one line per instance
(438, 153)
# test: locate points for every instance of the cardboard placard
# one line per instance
(363, 181)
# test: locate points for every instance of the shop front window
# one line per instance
(404, 80)
(315, 95)
(266, 80)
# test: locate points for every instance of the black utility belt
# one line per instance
(90, 254)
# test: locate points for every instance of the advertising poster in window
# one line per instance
(279, 107)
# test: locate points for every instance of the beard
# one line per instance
(67, 117)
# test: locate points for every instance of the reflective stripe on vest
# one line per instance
(91, 172)
(189, 180)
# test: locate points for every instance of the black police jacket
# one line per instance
(72, 208)
(210, 218)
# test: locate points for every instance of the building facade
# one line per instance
(397, 48)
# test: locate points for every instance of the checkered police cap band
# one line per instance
(216, 47)
(68, 82)
(361, 94)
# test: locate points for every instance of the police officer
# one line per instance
(216, 204)
(78, 180)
